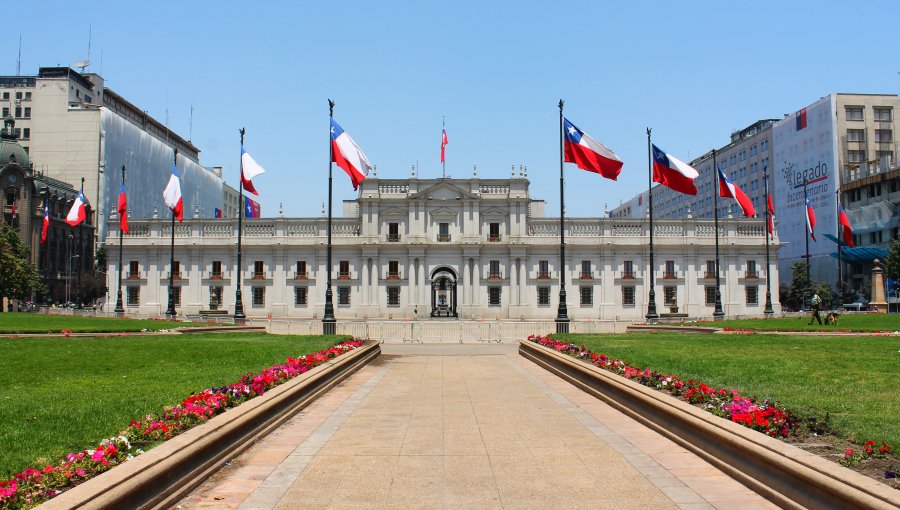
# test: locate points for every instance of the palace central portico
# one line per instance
(444, 249)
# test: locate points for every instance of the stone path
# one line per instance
(465, 426)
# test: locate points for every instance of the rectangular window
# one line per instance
(344, 296)
(882, 114)
(134, 270)
(176, 296)
(587, 295)
(543, 296)
(494, 232)
(856, 135)
(27, 112)
(586, 272)
(884, 136)
(752, 295)
(259, 296)
(26, 133)
(258, 270)
(5, 112)
(134, 296)
(874, 190)
(670, 269)
(6, 96)
(300, 296)
(710, 269)
(710, 294)
(18, 94)
(494, 269)
(854, 113)
(301, 270)
(216, 269)
(18, 112)
(764, 145)
(443, 232)
(493, 296)
(393, 232)
(751, 269)
(215, 297)
(28, 96)
(628, 295)
(628, 269)
(885, 159)
(393, 296)
(393, 269)
(670, 294)
(543, 270)
(176, 269)
(856, 156)
(344, 270)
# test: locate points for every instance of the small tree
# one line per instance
(801, 286)
(893, 259)
(19, 279)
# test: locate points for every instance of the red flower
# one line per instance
(848, 453)
(884, 448)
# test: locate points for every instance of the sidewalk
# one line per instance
(465, 426)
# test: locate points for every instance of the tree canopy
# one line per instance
(19, 278)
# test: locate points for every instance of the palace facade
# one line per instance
(443, 249)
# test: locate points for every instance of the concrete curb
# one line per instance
(788, 476)
(165, 474)
(677, 329)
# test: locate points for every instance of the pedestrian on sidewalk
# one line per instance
(816, 304)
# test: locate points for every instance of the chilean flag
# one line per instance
(589, 154)
(46, 222)
(76, 213)
(172, 195)
(251, 208)
(122, 209)
(810, 220)
(348, 155)
(249, 169)
(673, 173)
(844, 222)
(771, 207)
(728, 189)
(444, 143)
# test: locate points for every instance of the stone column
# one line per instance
(513, 282)
(364, 283)
(879, 301)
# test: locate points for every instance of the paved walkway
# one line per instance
(465, 426)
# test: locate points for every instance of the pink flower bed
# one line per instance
(35, 485)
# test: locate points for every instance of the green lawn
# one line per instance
(855, 322)
(40, 323)
(59, 395)
(854, 379)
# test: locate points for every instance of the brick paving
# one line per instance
(465, 426)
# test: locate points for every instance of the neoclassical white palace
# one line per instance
(443, 248)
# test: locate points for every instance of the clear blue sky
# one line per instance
(693, 71)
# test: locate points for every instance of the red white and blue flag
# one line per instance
(77, 213)
(846, 229)
(801, 119)
(673, 173)
(728, 189)
(172, 195)
(251, 208)
(46, 222)
(771, 207)
(249, 169)
(348, 155)
(810, 220)
(217, 212)
(589, 154)
(122, 209)
(444, 143)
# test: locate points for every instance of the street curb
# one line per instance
(788, 476)
(162, 476)
(677, 329)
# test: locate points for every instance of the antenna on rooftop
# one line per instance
(81, 64)
(191, 124)
(19, 61)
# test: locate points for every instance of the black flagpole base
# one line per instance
(718, 313)
(768, 311)
(651, 307)
(120, 310)
(562, 314)
(239, 317)
(329, 323)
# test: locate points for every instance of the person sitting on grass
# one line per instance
(816, 303)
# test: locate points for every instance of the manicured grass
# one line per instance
(59, 395)
(40, 323)
(853, 379)
(855, 322)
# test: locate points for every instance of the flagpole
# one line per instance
(170, 311)
(808, 225)
(651, 298)
(239, 317)
(840, 237)
(718, 313)
(81, 255)
(329, 323)
(768, 311)
(443, 157)
(120, 309)
(562, 314)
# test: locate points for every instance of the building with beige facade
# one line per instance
(443, 249)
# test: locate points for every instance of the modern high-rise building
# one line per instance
(74, 127)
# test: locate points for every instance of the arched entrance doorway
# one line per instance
(443, 292)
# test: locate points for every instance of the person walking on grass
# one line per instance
(816, 303)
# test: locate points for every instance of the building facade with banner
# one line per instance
(443, 249)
